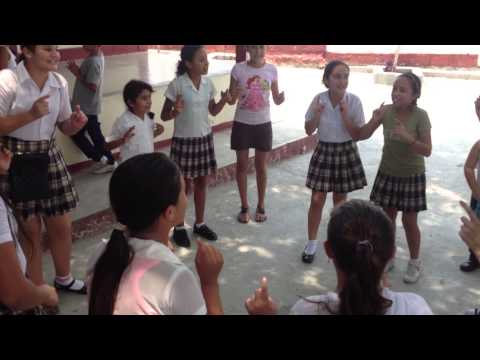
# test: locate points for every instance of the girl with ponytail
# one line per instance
(360, 243)
(135, 272)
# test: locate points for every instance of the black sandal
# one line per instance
(306, 258)
(260, 212)
(68, 288)
(244, 210)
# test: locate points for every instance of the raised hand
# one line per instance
(40, 107)
(179, 104)
(261, 303)
(378, 113)
(281, 98)
(209, 263)
(318, 108)
(78, 119)
(401, 131)
(128, 135)
(226, 96)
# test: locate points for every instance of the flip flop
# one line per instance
(260, 216)
(243, 211)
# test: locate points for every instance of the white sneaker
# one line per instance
(105, 168)
(475, 311)
(414, 271)
(99, 164)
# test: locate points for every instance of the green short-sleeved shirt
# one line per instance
(398, 158)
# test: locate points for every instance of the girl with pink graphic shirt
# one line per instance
(251, 83)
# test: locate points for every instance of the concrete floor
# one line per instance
(273, 249)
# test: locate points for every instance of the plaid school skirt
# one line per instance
(4, 311)
(336, 167)
(406, 194)
(194, 156)
(64, 198)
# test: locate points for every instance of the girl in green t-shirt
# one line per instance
(400, 184)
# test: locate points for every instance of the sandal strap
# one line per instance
(244, 210)
(261, 211)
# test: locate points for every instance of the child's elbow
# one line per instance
(429, 152)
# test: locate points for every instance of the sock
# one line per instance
(199, 225)
(416, 262)
(311, 247)
(179, 227)
(65, 281)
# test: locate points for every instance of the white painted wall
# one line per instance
(406, 49)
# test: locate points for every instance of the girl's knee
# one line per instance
(242, 167)
(318, 199)
(201, 182)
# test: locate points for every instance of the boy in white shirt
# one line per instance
(134, 131)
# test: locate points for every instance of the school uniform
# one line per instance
(400, 182)
(18, 92)
(192, 143)
(335, 165)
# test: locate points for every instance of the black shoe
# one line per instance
(205, 232)
(471, 264)
(180, 237)
(306, 258)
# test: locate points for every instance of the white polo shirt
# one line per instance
(193, 121)
(18, 92)
(331, 128)
(403, 303)
(156, 282)
(7, 225)
(141, 142)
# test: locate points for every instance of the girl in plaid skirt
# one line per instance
(400, 184)
(190, 98)
(335, 165)
(18, 295)
(34, 100)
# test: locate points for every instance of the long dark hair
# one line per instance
(186, 54)
(361, 237)
(21, 56)
(141, 189)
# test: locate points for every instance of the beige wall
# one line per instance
(113, 107)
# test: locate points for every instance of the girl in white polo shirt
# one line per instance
(336, 167)
(361, 241)
(136, 272)
(34, 101)
(189, 100)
